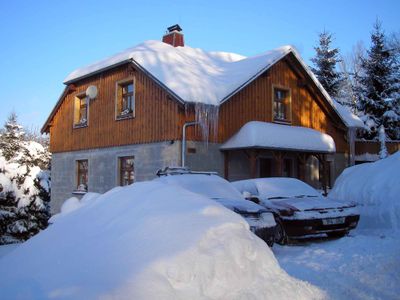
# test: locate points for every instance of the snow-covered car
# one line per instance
(299, 209)
(209, 184)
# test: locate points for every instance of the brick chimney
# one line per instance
(174, 37)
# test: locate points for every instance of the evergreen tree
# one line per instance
(378, 94)
(24, 185)
(11, 138)
(325, 64)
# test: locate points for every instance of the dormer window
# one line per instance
(81, 111)
(125, 99)
(282, 105)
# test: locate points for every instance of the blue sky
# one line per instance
(42, 41)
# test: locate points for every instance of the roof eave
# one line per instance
(278, 149)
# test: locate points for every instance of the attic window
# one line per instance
(125, 99)
(282, 105)
(80, 111)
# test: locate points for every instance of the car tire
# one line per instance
(337, 234)
(280, 234)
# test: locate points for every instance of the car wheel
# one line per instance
(280, 234)
(337, 234)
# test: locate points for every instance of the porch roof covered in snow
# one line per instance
(263, 135)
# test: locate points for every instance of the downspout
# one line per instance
(187, 124)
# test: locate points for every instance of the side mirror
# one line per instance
(251, 197)
(254, 199)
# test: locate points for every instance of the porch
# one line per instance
(261, 149)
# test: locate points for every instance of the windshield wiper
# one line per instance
(273, 198)
(302, 196)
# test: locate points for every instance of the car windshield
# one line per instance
(276, 188)
(211, 186)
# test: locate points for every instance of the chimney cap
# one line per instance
(175, 27)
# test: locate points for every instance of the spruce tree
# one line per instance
(325, 64)
(24, 184)
(379, 96)
(11, 138)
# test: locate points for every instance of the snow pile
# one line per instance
(376, 188)
(194, 75)
(268, 135)
(73, 204)
(148, 241)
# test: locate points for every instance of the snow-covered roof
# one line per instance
(193, 75)
(350, 119)
(257, 134)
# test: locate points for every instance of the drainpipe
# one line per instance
(187, 124)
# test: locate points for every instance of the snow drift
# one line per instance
(376, 189)
(148, 241)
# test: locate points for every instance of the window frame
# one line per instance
(121, 170)
(78, 176)
(288, 119)
(118, 86)
(76, 110)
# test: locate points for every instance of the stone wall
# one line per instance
(103, 167)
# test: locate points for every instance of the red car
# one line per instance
(299, 209)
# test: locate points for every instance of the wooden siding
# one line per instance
(158, 117)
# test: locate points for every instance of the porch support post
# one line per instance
(323, 162)
(226, 165)
(302, 159)
(325, 172)
(352, 148)
(278, 156)
(253, 164)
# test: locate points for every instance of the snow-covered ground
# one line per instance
(360, 266)
(156, 241)
(366, 264)
(147, 241)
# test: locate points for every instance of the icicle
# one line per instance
(207, 118)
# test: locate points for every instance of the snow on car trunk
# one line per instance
(375, 187)
(148, 241)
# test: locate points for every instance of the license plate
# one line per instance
(333, 221)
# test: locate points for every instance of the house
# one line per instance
(121, 119)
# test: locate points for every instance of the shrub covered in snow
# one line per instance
(24, 185)
(376, 188)
(148, 240)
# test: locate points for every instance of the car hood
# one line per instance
(240, 206)
(308, 203)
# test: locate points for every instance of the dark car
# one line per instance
(299, 209)
(209, 184)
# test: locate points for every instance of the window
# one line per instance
(126, 171)
(125, 99)
(282, 109)
(82, 176)
(80, 111)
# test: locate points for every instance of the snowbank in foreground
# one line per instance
(376, 189)
(148, 241)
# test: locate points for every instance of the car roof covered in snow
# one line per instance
(257, 134)
(214, 187)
